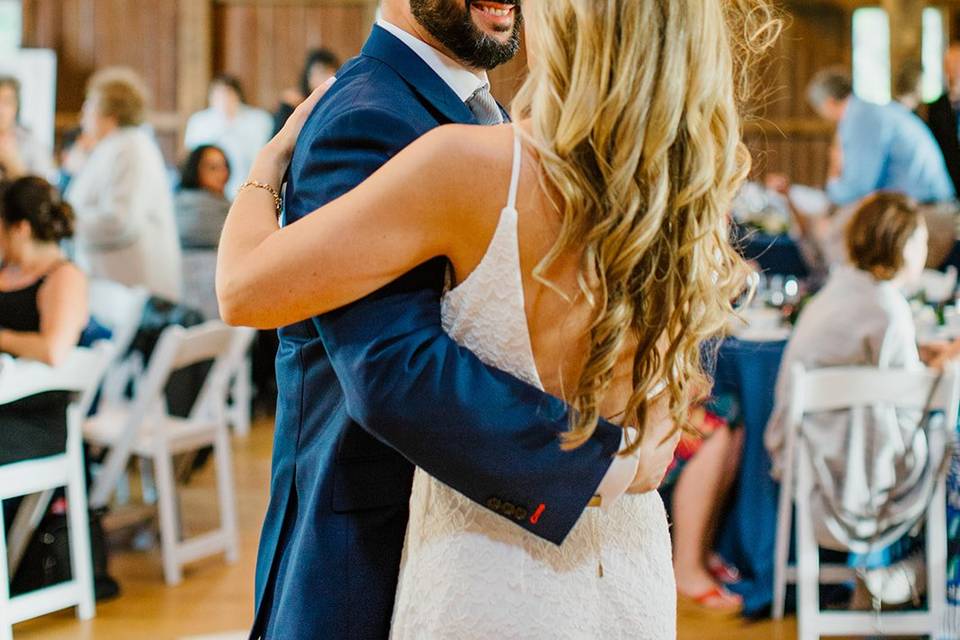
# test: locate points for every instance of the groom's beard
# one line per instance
(450, 22)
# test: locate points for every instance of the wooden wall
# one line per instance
(264, 43)
(177, 45)
(782, 131)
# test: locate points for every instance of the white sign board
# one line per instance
(36, 69)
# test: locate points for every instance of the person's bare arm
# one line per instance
(416, 207)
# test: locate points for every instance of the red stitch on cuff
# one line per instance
(536, 514)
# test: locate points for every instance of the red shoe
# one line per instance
(716, 601)
(721, 571)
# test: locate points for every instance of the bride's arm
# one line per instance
(411, 210)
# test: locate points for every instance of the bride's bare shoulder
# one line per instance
(470, 146)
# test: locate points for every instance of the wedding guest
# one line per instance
(126, 229)
(201, 201)
(20, 152)
(943, 115)
(43, 310)
(320, 66)
(882, 147)
(887, 249)
(695, 490)
(240, 130)
(202, 209)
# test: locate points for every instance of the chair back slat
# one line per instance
(838, 388)
(119, 308)
(81, 373)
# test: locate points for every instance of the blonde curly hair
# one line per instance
(636, 110)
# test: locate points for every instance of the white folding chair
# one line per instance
(120, 309)
(241, 383)
(144, 429)
(81, 373)
(856, 389)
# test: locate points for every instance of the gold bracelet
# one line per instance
(277, 201)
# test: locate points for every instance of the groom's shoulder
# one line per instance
(367, 85)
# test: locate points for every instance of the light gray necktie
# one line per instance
(484, 107)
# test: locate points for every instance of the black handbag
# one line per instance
(46, 561)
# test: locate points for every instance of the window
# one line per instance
(934, 44)
(871, 54)
(10, 26)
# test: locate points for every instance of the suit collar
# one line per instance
(388, 49)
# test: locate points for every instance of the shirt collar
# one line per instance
(459, 78)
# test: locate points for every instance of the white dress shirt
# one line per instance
(241, 138)
(464, 83)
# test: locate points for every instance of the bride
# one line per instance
(589, 255)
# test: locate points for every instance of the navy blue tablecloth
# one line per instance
(780, 254)
(747, 533)
(774, 254)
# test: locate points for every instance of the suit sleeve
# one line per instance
(479, 430)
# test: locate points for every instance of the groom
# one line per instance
(370, 390)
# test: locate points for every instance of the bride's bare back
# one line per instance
(558, 314)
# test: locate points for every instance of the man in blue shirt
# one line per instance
(880, 147)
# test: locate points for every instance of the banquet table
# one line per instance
(779, 254)
(776, 254)
(747, 371)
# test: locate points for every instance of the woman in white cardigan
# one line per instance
(126, 228)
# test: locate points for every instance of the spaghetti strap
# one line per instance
(515, 175)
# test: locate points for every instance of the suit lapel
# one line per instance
(385, 47)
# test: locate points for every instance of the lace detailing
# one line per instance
(468, 573)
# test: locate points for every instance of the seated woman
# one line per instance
(200, 202)
(202, 208)
(43, 310)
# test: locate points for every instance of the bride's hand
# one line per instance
(660, 439)
(272, 160)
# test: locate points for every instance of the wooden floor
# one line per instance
(215, 598)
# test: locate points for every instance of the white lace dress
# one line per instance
(470, 574)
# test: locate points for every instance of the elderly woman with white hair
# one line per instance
(126, 228)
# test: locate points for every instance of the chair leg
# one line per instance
(6, 625)
(226, 492)
(148, 484)
(166, 499)
(782, 551)
(808, 557)
(81, 554)
(28, 518)
(936, 558)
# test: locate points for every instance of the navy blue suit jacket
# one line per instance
(369, 390)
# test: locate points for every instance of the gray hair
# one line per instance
(829, 83)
